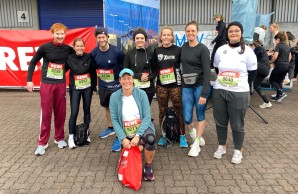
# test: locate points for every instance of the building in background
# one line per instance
(177, 13)
(41, 14)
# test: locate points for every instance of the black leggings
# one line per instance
(262, 72)
(75, 98)
(278, 75)
(296, 66)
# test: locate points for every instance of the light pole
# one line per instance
(121, 22)
(113, 15)
(126, 26)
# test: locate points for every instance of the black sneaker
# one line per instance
(278, 98)
(148, 173)
(273, 98)
(281, 97)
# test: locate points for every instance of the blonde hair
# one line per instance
(275, 25)
(58, 26)
(263, 26)
(166, 28)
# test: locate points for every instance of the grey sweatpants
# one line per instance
(230, 106)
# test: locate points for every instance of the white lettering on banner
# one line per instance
(7, 60)
(204, 37)
(8, 57)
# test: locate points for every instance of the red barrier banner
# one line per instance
(17, 48)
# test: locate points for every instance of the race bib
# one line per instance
(228, 78)
(106, 75)
(140, 84)
(82, 81)
(131, 127)
(55, 71)
(167, 76)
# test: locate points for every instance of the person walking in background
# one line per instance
(281, 59)
(236, 65)
(262, 71)
(168, 85)
(259, 34)
(139, 60)
(82, 82)
(109, 60)
(195, 68)
(274, 29)
(294, 52)
(52, 86)
(131, 118)
(220, 39)
(291, 40)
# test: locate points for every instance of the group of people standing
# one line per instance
(126, 86)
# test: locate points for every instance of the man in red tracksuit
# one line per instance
(52, 86)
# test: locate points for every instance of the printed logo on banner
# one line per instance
(204, 37)
(14, 59)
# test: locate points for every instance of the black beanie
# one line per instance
(139, 31)
(101, 30)
(235, 23)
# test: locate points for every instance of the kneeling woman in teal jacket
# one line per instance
(131, 119)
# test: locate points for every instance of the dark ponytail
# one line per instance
(242, 45)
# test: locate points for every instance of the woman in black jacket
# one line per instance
(220, 39)
(139, 60)
(262, 71)
(82, 81)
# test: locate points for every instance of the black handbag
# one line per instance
(190, 79)
(81, 135)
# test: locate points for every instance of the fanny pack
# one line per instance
(190, 78)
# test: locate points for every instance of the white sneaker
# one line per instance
(195, 149)
(221, 150)
(88, 139)
(266, 105)
(202, 142)
(273, 95)
(237, 157)
(61, 144)
(71, 143)
(193, 134)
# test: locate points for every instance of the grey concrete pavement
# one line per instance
(270, 163)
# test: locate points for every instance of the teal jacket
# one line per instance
(116, 112)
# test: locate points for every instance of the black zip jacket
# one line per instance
(222, 33)
(140, 61)
(79, 65)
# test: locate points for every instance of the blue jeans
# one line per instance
(190, 97)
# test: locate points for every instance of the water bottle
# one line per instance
(178, 76)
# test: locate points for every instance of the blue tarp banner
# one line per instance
(244, 11)
(263, 19)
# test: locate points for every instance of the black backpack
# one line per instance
(171, 127)
(81, 134)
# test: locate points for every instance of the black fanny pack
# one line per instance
(190, 78)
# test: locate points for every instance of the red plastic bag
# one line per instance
(130, 167)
